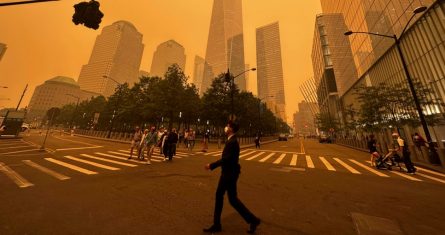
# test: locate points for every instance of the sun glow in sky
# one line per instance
(43, 42)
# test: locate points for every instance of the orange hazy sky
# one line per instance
(44, 43)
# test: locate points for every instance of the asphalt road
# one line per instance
(85, 186)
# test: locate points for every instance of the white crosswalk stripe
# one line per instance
(210, 153)
(71, 166)
(255, 156)
(121, 154)
(117, 157)
(348, 167)
(92, 163)
(406, 176)
(368, 168)
(309, 162)
(431, 172)
(14, 176)
(108, 160)
(46, 170)
(431, 178)
(246, 154)
(279, 159)
(267, 157)
(327, 164)
(294, 160)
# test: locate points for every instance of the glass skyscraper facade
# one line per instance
(225, 45)
(117, 54)
(377, 59)
(270, 69)
(378, 16)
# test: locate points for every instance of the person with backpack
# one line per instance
(135, 141)
(151, 140)
(372, 146)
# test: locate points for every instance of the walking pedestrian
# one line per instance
(160, 139)
(372, 146)
(172, 140)
(205, 142)
(402, 150)
(191, 140)
(135, 141)
(142, 145)
(419, 141)
(230, 170)
(164, 145)
(186, 136)
(150, 143)
(257, 140)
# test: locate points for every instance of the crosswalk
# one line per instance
(332, 164)
(63, 168)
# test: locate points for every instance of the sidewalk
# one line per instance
(416, 163)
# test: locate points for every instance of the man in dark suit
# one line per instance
(230, 170)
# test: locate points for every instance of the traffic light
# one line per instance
(88, 14)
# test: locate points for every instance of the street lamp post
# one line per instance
(434, 158)
(117, 105)
(231, 80)
(75, 110)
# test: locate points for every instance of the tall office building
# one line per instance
(332, 57)
(225, 45)
(198, 73)
(304, 119)
(270, 69)
(167, 54)
(55, 92)
(2, 50)
(384, 17)
(116, 55)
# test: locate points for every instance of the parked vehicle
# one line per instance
(325, 139)
(282, 137)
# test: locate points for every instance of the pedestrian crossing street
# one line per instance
(65, 167)
(332, 164)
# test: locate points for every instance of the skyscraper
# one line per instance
(116, 55)
(225, 45)
(270, 69)
(2, 50)
(384, 17)
(167, 54)
(198, 73)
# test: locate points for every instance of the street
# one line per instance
(87, 186)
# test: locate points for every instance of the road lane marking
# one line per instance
(368, 168)
(431, 178)
(302, 146)
(72, 167)
(17, 147)
(46, 170)
(215, 155)
(21, 151)
(294, 160)
(279, 159)
(267, 157)
(92, 163)
(350, 168)
(246, 154)
(14, 176)
(210, 153)
(79, 148)
(255, 156)
(18, 143)
(431, 172)
(327, 164)
(74, 141)
(108, 160)
(124, 158)
(309, 162)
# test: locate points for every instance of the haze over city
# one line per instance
(44, 43)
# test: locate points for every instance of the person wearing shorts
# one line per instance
(135, 141)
